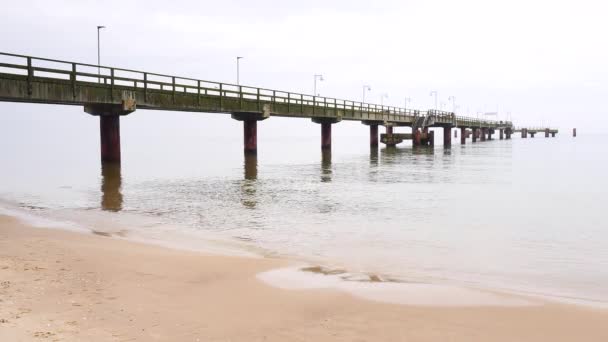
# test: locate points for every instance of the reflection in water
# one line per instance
(326, 171)
(111, 184)
(373, 156)
(392, 155)
(248, 186)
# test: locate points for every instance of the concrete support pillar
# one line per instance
(532, 134)
(484, 132)
(508, 133)
(250, 135)
(501, 134)
(456, 133)
(431, 138)
(552, 134)
(326, 136)
(490, 132)
(325, 130)
(546, 133)
(250, 130)
(109, 126)
(463, 135)
(373, 135)
(447, 136)
(524, 133)
(574, 132)
(109, 129)
(389, 129)
(474, 134)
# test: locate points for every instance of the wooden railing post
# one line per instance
(241, 97)
(258, 98)
(221, 96)
(198, 91)
(173, 84)
(30, 75)
(145, 87)
(112, 84)
(73, 79)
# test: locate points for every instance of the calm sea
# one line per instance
(522, 215)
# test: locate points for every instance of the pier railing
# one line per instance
(240, 97)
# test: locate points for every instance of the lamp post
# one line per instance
(453, 99)
(434, 92)
(238, 69)
(382, 97)
(368, 88)
(320, 78)
(99, 52)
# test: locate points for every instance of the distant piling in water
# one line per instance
(574, 132)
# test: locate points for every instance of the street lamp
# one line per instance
(238, 70)
(368, 88)
(434, 92)
(320, 78)
(99, 52)
(382, 97)
(407, 99)
(453, 99)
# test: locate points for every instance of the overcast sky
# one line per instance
(543, 61)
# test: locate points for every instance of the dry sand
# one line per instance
(65, 286)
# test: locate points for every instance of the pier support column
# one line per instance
(250, 136)
(109, 126)
(463, 135)
(416, 137)
(501, 134)
(484, 132)
(552, 134)
(524, 133)
(532, 134)
(456, 133)
(326, 136)
(508, 133)
(447, 136)
(109, 129)
(389, 129)
(474, 134)
(250, 130)
(574, 132)
(490, 132)
(373, 132)
(546, 133)
(325, 130)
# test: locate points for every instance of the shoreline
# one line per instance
(212, 243)
(72, 286)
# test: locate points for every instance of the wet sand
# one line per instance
(65, 286)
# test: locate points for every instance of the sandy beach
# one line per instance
(66, 286)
